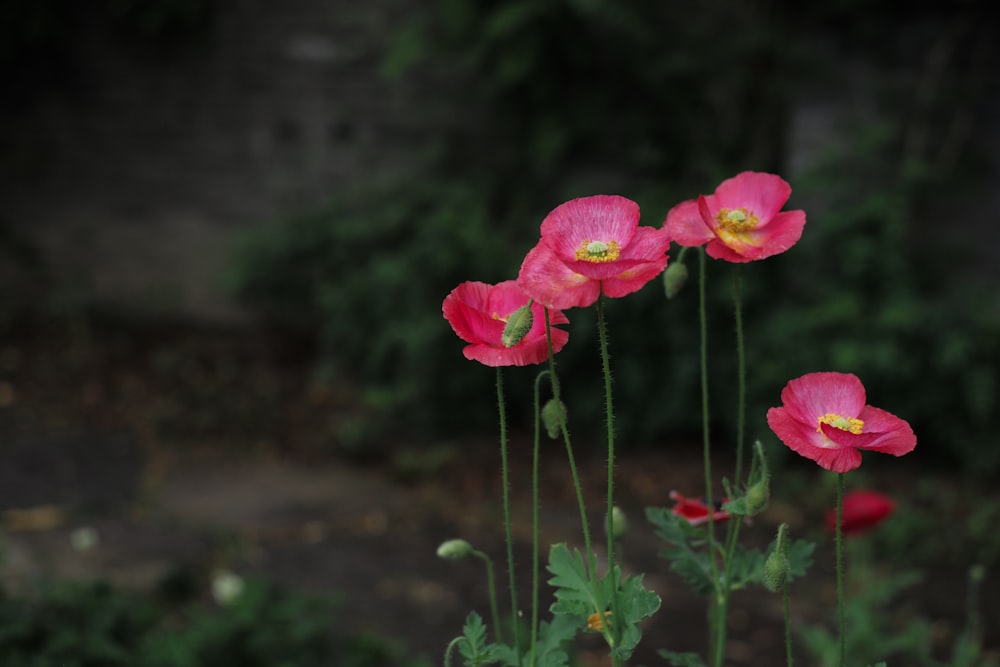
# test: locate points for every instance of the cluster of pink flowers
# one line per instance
(594, 246)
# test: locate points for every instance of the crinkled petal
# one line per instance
(549, 281)
(808, 442)
(816, 394)
(649, 244)
(761, 194)
(464, 309)
(686, 226)
(896, 437)
(597, 218)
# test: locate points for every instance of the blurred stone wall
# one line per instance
(135, 174)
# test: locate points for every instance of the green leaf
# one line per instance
(576, 594)
(635, 603)
(474, 648)
(550, 650)
(693, 566)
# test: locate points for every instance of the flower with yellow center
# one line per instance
(598, 252)
(850, 424)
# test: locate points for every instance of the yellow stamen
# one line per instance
(596, 623)
(498, 316)
(598, 252)
(736, 220)
(851, 424)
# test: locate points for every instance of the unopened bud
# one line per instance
(776, 566)
(518, 325)
(553, 417)
(454, 549)
(618, 523)
(674, 279)
(775, 571)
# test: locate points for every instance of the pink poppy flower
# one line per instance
(741, 222)
(695, 510)
(590, 245)
(861, 511)
(824, 418)
(478, 313)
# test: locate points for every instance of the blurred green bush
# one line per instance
(657, 102)
(77, 624)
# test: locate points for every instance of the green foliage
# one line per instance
(579, 596)
(550, 650)
(97, 625)
(688, 558)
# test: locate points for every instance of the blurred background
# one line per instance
(227, 229)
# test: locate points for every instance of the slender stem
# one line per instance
(602, 333)
(505, 471)
(491, 585)
(788, 626)
(717, 624)
(447, 651)
(534, 519)
(840, 567)
(741, 372)
(569, 451)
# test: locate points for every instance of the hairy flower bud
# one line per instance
(775, 571)
(454, 549)
(759, 492)
(674, 279)
(776, 566)
(518, 325)
(553, 417)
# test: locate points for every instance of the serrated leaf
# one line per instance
(552, 637)
(693, 566)
(575, 594)
(474, 648)
(635, 603)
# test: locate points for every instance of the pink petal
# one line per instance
(816, 394)
(597, 218)
(685, 225)
(761, 194)
(896, 437)
(545, 278)
(806, 441)
(463, 308)
(646, 252)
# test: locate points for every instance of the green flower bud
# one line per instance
(775, 571)
(518, 325)
(454, 549)
(553, 416)
(674, 279)
(619, 523)
(776, 566)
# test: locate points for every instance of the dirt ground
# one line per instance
(206, 451)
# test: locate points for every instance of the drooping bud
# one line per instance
(518, 325)
(776, 566)
(619, 524)
(674, 278)
(553, 417)
(454, 549)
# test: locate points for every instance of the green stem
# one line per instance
(741, 372)
(717, 625)
(492, 589)
(451, 647)
(569, 452)
(840, 567)
(505, 471)
(788, 626)
(602, 333)
(534, 519)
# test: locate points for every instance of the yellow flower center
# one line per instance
(852, 424)
(736, 220)
(595, 622)
(598, 252)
